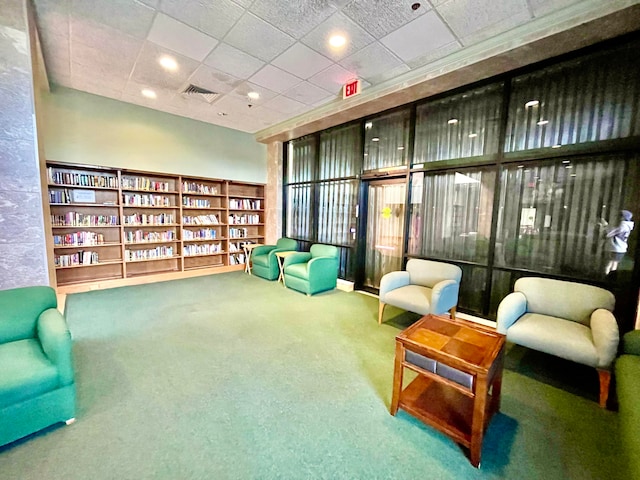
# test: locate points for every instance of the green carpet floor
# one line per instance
(233, 377)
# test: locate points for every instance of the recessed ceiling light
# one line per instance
(532, 103)
(253, 95)
(168, 63)
(337, 41)
(147, 92)
(453, 121)
(375, 139)
(543, 122)
(473, 135)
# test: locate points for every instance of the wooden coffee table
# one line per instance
(459, 366)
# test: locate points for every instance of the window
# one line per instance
(386, 141)
(451, 214)
(460, 126)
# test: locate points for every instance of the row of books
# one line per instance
(149, 253)
(202, 234)
(78, 239)
(200, 220)
(76, 219)
(202, 249)
(59, 196)
(83, 257)
(193, 187)
(238, 246)
(236, 259)
(81, 179)
(196, 202)
(244, 219)
(144, 219)
(238, 232)
(244, 204)
(138, 200)
(140, 236)
(143, 183)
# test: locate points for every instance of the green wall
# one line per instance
(89, 129)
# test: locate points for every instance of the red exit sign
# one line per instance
(351, 88)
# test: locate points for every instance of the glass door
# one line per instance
(384, 230)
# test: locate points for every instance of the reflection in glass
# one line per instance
(337, 212)
(385, 230)
(451, 214)
(340, 152)
(552, 216)
(299, 208)
(585, 100)
(460, 126)
(301, 159)
(385, 141)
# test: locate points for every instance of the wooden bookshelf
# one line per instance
(109, 225)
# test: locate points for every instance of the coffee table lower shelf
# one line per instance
(442, 407)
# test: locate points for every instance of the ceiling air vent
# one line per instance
(195, 91)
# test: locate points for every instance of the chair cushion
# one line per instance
(25, 373)
(556, 336)
(414, 298)
(260, 260)
(427, 273)
(300, 270)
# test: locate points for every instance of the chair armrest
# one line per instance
(511, 308)
(300, 257)
(321, 266)
(444, 296)
(262, 250)
(606, 337)
(391, 281)
(631, 342)
(55, 339)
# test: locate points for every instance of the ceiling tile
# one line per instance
(338, 23)
(55, 50)
(267, 116)
(233, 61)
(151, 3)
(232, 105)
(274, 79)
(147, 69)
(476, 20)
(333, 78)
(242, 91)
(102, 36)
(296, 18)
(214, 80)
(286, 105)
(52, 17)
(96, 89)
(543, 7)
(382, 17)
(110, 62)
(371, 61)
(308, 93)
(419, 37)
(97, 77)
(134, 89)
(213, 18)
(174, 35)
(301, 61)
(256, 36)
(128, 16)
(389, 74)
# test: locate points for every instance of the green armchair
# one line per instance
(628, 389)
(37, 386)
(314, 271)
(264, 261)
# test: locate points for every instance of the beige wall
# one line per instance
(89, 129)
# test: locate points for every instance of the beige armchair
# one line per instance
(569, 320)
(425, 287)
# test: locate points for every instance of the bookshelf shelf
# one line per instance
(112, 207)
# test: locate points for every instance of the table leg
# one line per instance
(398, 371)
(477, 424)
(281, 267)
(496, 387)
(247, 255)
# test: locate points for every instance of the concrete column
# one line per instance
(23, 253)
(274, 193)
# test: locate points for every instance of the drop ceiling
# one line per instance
(278, 48)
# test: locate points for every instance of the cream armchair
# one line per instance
(569, 320)
(425, 287)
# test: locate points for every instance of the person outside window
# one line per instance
(617, 240)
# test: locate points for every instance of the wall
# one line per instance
(22, 243)
(89, 129)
